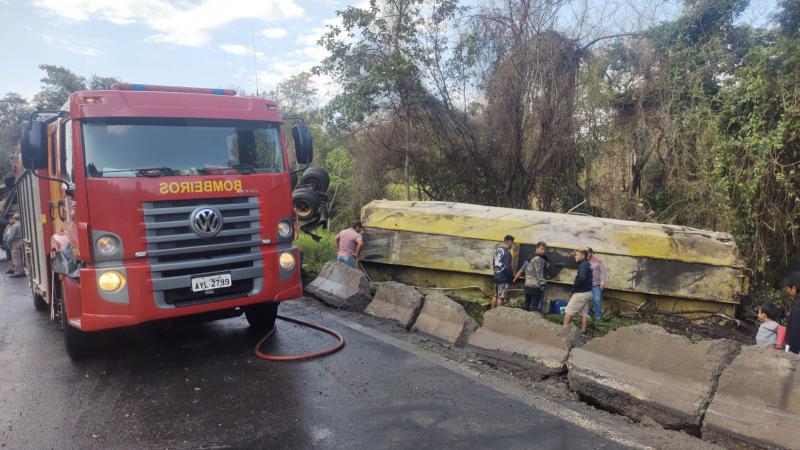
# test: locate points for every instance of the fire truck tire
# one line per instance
(306, 203)
(262, 316)
(39, 302)
(77, 342)
(316, 178)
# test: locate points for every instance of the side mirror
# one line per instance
(33, 146)
(303, 147)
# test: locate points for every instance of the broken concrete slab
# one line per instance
(445, 319)
(341, 286)
(757, 402)
(516, 331)
(396, 301)
(643, 370)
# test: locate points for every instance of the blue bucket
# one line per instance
(557, 306)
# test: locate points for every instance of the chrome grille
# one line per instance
(176, 254)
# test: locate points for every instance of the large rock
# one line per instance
(516, 331)
(643, 371)
(341, 286)
(445, 319)
(757, 403)
(396, 301)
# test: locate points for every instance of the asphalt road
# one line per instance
(200, 386)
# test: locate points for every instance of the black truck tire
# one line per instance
(316, 178)
(77, 343)
(261, 317)
(39, 302)
(306, 203)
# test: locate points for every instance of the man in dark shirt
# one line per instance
(503, 272)
(792, 284)
(581, 291)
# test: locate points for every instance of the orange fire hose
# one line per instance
(305, 356)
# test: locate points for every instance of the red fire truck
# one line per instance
(145, 202)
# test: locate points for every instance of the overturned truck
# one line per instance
(449, 246)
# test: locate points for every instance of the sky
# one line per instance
(200, 43)
(203, 43)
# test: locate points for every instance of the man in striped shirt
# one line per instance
(598, 283)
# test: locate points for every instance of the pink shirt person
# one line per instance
(598, 271)
(348, 244)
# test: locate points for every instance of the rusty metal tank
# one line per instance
(449, 246)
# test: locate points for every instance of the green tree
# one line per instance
(97, 82)
(57, 84)
(14, 109)
(341, 168)
(757, 151)
(296, 95)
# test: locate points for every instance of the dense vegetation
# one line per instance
(692, 121)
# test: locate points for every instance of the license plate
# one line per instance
(211, 282)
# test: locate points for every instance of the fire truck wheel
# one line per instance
(317, 178)
(262, 316)
(306, 203)
(39, 302)
(77, 342)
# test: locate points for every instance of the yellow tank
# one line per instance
(449, 245)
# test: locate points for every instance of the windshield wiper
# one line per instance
(144, 172)
(243, 167)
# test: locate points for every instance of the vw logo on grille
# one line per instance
(206, 221)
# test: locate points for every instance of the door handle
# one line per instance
(62, 210)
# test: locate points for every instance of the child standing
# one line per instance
(768, 331)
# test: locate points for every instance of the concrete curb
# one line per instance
(757, 402)
(642, 370)
(513, 331)
(341, 286)
(396, 301)
(444, 319)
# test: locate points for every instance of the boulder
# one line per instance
(757, 402)
(341, 286)
(642, 370)
(514, 331)
(444, 319)
(396, 301)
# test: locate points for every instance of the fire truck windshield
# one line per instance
(157, 147)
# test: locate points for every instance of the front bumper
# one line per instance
(91, 309)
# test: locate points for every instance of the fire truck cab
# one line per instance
(143, 203)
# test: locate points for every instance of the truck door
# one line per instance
(62, 206)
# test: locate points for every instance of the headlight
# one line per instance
(107, 245)
(284, 229)
(286, 261)
(111, 281)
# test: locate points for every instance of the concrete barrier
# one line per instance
(516, 331)
(643, 371)
(444, 319)
(341, 286)
(757, 402)
(396, 301)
